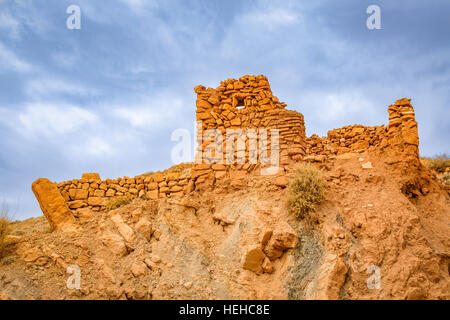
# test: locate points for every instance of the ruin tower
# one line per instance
(248, 103)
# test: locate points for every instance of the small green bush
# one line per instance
(118, 202)
(305, 191)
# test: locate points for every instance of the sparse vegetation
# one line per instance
(5, 223)
(305, 191)
(118, 202)
(445, 178)
(438, 164)
(174, 171)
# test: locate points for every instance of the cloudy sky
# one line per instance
(107, 97)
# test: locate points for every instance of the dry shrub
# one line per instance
(118, 202)
(174, 171)
(305, 191)
(438, 164)
(445, 178)
(5, 229)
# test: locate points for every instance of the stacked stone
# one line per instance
(96, 193)
(402, 132)
(220, 109)
(92, 192)
(346, 139)
(399, 137)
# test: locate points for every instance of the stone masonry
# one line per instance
(247, 103)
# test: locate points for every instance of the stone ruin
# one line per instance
(248, 104)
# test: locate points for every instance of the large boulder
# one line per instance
(52, 203)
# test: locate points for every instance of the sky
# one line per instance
(107, 97)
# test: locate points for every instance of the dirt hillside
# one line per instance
(201, 231)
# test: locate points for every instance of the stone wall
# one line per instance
(247, 103)
(400, 137)
(95, 193)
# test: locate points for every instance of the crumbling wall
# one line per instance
(94, 193)
(248, 104)
(400, 138)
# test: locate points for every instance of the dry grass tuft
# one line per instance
(5, 229)
(445, 178)
(439, 164)
(305, 191)
(118, 202)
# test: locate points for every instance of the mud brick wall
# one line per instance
(248, 103)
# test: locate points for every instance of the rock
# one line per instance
(150, 264)
(99, 193)
(367, 165)
(114, 292)
(219, 167)
(78, 194)
(85, 215)
(91, 176)
(225, 218)
(97, 201)
(157, 235)
(154, 194)
(189, 187)
(77, 204)
(203, 104)
(115, 243)
(83, 260)
(279, 242)
(331, 278)
(267, 266)
(144, 227)
(253, 260)
(410, 136)
(188, 285)
(135, 293)
(282, 181)
(125, 230)
(237, 183)
(266, 237)
(52, 203)
(155, 259)
(237, 175)
(29, 254)
(361, 145)
(138, 269)
(4, 296)
(235, 122)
